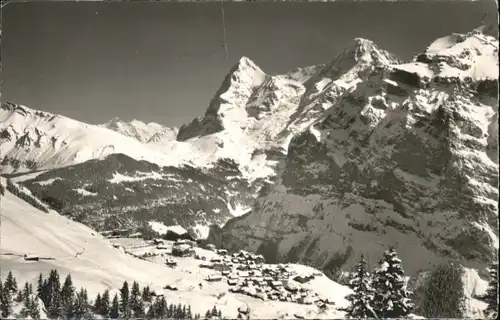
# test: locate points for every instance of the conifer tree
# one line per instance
(25, 311)
(19, 296)
(179, 311)
(219, 314)
(146, 294)
(45, 293)
(26, 292)
(125, 301)
(82, 309)
(5, 301)
(444, 295)
(114, 312)
(98, 304)
(361, 300)
(39, 286)
(391, 299)
(54, 308)
(34, 310)
(208, 314)
(68, 296)
(136, 303)
(189, 313)
(170, 311)
(105, 303)
(10, 284)
(491, 297)
(163, 309)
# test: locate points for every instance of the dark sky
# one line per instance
(162, 62)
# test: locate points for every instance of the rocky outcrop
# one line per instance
(402, 160)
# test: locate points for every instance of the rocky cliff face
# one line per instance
(408, 157)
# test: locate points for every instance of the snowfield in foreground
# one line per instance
(95, 264)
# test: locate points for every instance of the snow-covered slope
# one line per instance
(408, 157)
(144, 132)
(31, 139)
(26, 230)
(121, 192)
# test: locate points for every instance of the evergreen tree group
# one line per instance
(65, 302)
(382, 294)
(9, 293)
(213, 313)
(443, 293)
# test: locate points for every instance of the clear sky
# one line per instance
(162, 62)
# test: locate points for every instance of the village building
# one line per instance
(221, 267)
(171, 263)
(232, 282)
(171, 287)
(31, 257)
(303, 279)
(260, 259)
(135, 235)
(183, 250)
(158, 241)
(222, 252)
(214, 277)
(243, 274)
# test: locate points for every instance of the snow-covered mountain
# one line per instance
(257, 114)
(237, 146)
(144, 132)
(408, 156)
(31, 139)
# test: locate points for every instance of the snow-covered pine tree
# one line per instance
(25, 311)
(114, 312)
(391, 299)
(34, 309)
(361, 300)
(214, 311)
(444, 295)
(491, 297)
(10, 284)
